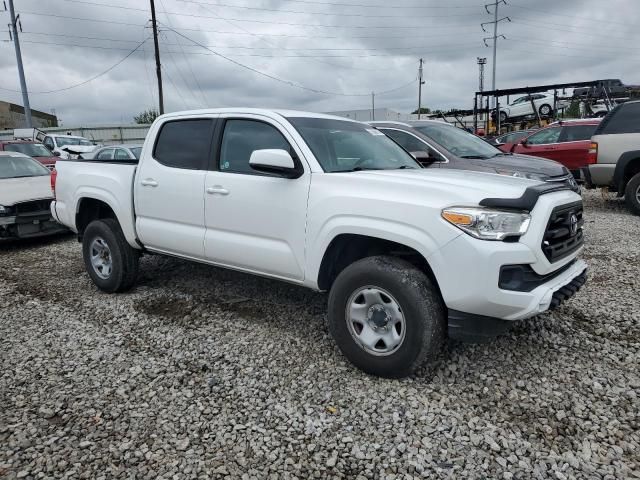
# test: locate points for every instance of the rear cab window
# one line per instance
(576, 133)
(622, 119)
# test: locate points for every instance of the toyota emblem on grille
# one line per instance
(573, 224)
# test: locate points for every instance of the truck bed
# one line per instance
(110, 182)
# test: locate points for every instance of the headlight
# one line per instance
(488, 224)
(4, 210)
(530, 176)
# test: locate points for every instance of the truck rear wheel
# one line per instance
(386, 316)
(632, 194)
(110, 261)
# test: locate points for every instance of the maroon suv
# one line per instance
(33, 149)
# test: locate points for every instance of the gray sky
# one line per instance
(323, 45)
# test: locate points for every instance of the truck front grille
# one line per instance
(564, 234)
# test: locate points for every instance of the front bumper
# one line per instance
(468, 270)
(17, 227)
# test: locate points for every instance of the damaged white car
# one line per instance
(25, 196)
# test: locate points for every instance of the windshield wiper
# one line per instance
(473, 156)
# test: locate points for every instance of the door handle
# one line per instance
(148, 182)
(217, 189)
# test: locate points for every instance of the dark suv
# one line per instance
(437, 144)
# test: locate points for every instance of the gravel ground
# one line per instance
(201, 372)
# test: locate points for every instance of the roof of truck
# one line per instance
(256, 111)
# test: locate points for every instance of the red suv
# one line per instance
(33, 149)
(566, 142)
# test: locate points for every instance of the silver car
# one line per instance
(116, 153)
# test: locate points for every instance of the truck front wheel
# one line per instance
(110, 261)
(386, 316)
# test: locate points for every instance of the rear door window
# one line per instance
(548, 135)
(623, 119)
(121, 154)
(105, 154)
(576, 133)
(185, 143)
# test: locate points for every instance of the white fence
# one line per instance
(108, 135)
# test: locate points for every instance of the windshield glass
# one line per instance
(31, 149)
(136, 152)
(457, 141)
(15, 167)
(343, 146)
(63, 141)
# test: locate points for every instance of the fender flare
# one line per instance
(112, 202)
(621, 166)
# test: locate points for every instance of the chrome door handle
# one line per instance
(148, 182)
(217, 190)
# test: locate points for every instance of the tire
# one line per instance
(632, 194)
(104, 239)
(503, 117)
(545, 110)
(424, 321)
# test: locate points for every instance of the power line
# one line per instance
(276, 10)
(539, 25)
(288, 82)
(448, 47)
(397, 27)
(361, 5)
(186, 59)
(192, 15)
(563, 44)
(330, 14)
(84, 82)
(589, 19)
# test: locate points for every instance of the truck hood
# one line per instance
(16, 190)
(455, 185)
(520, 163)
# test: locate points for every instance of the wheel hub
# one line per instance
(378, 317)
(375, 320)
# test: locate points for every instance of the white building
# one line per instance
(367, 115)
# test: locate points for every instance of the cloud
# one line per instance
(320, 44)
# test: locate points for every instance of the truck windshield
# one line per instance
(63, 141)
(16, 167)
(457, 141)
(31, 149)
(344, 146)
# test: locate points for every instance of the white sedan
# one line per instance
(522, 107)
(25, 198)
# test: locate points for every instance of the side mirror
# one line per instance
(524, 143)
(423, 157)
(56, 154)
(275, 161)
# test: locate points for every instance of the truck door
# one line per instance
(169, 187)
(255, 221)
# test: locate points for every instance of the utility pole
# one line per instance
(482, 61)
(420, 83)
(495, 37)
(373, 106)
(155, 43)
(23, 82)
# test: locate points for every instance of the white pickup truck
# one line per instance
(408, 255)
